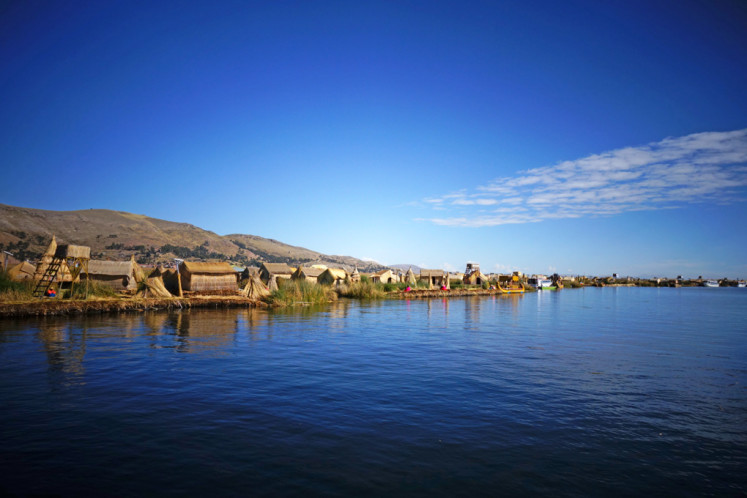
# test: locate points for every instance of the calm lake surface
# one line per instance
(628, 391)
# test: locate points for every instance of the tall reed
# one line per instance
(293, 292)
(362, 290)
(14, 291)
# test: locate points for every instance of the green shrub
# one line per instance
(362, 290)
(292, 292)
(14, 291)
(95, 289)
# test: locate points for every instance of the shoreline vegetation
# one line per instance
(16, 299)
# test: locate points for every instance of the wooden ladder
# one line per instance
(47, 278)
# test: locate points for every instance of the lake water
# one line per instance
(628, 391)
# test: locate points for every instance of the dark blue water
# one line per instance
(630, 392)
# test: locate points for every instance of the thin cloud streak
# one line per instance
(708, 167)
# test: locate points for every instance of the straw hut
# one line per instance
(434, 278)
(154, 285)
(22, 271)
(473, 275)
(355, 276)
(475, 278)
(271, 271)
(63, 274)
(119, 275)
(255, 289)
(409, 277)
(249, 271)
(308, 274)
(202, 277)
(170, 280)
(272, 284)
(384, 277)
(333, 276)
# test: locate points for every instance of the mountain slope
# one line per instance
(116, 235)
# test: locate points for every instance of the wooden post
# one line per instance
(179, 275)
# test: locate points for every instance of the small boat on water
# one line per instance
(512, 286)
(741, 283)
(710, 283)
(541, 283)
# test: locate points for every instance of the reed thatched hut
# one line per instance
(385, 277)
(475, 278)
(271, 271)
(202, 277)
(63, 274)
(22, 271)
(435, 278)
(355, 276)
(170, 279)
(119, 275)
(255, 289)
(249, 271)
(154, 285)
(308, 274)
(409, 277)
(333, 276)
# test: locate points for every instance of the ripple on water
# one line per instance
(567, 393)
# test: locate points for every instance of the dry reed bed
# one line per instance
(51, 307)
(428, 293)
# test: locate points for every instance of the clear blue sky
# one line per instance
(578, 137)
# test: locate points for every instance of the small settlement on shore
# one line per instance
(62, 279)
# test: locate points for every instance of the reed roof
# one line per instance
(338, 272)
(22, 271)
(254, 288)
(309, 272)
(112, 268)
(207, 268)
(278, 268)
(431, 273)
(71, 251)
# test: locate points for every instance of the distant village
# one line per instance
(67, 265)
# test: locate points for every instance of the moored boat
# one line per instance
(710, 283)
(512, 286)
(541, 283)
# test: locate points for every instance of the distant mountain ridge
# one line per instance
(405, 267)
(116, 235)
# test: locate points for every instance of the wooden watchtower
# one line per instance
(76, 259)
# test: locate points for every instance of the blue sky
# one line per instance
(577, 137)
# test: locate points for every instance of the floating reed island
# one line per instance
(66, 280)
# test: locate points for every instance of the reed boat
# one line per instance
(513, 286)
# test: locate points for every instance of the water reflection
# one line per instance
(523, 390)
(197, 330)
(65, 347)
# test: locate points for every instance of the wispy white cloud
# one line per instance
(703, 167)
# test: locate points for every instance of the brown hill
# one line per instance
(116, 235)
